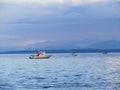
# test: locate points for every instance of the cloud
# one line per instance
(29, 42)
(61, 11)
(80, 2)
(25, 1)
(47, 2)
(61, 1)
(6, 37)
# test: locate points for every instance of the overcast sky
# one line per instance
(26, 22)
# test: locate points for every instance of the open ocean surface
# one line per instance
(87, 71)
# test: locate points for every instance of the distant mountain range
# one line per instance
(105, 45)
(68, 45)
(112, 44)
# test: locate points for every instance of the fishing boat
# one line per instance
(104, 52)
(40, 55)
(74, 54)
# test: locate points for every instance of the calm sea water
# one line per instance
(60, 72)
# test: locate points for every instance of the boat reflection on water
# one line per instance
(40, 55)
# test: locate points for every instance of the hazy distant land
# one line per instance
(63, 51)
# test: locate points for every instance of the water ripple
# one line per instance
(84, 72)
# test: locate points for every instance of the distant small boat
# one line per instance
(105, 53)
(40, 55)
(74, 54)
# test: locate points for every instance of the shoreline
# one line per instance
(63, 51)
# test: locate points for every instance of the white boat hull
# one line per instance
(39, 57)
